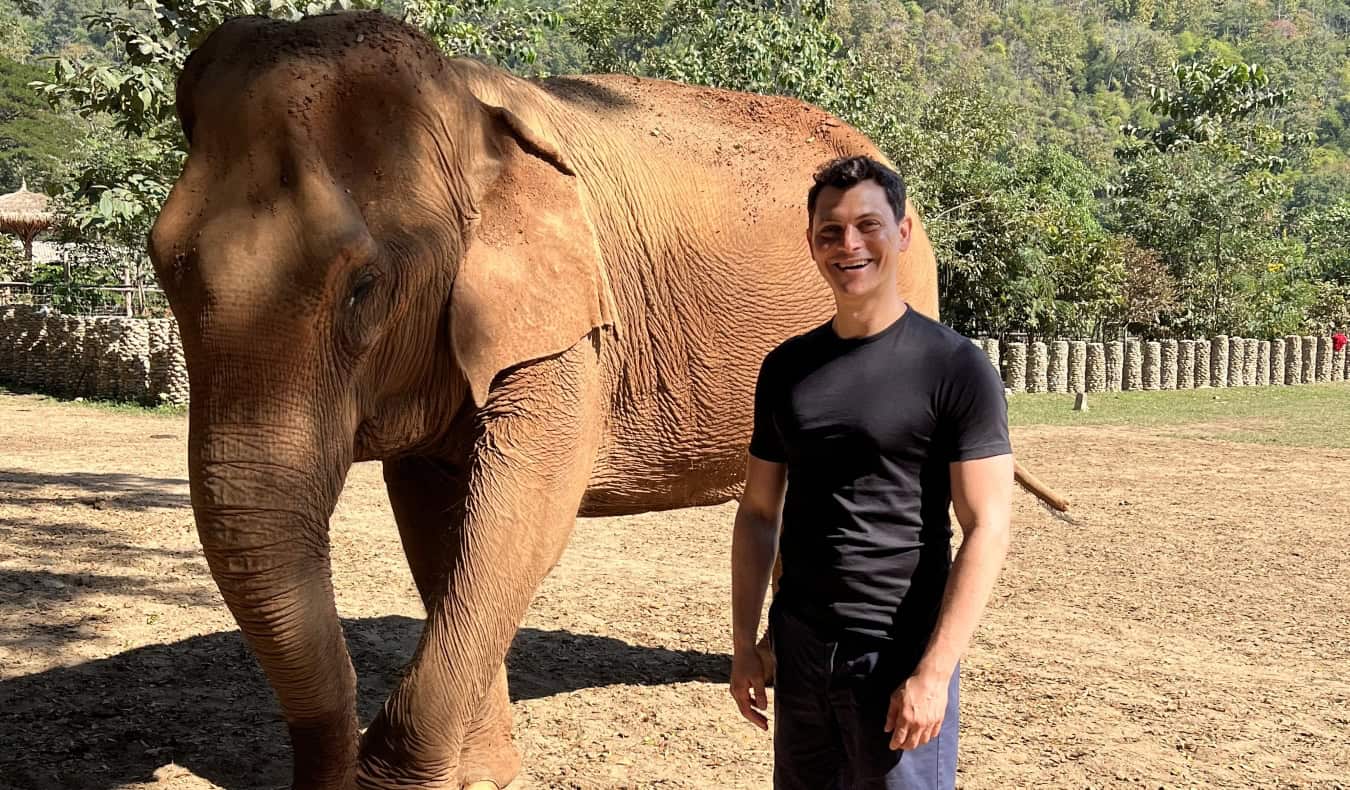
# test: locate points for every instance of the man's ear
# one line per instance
(906, 231)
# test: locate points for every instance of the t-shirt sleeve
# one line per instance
(766, 443)
(974, 409)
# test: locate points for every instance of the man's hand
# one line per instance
(917, 710)
(982, 498)
(747, 686)
(754, 542)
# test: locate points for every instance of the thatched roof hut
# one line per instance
(24, 214)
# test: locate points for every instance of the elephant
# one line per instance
(529, 300)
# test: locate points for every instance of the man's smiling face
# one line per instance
(856, 239)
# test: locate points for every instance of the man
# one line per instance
(866, 429)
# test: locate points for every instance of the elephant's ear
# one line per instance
(532, 282)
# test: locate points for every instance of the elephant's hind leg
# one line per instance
(427, 496)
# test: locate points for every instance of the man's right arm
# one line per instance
(754, 544)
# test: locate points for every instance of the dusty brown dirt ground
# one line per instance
(1192, 629)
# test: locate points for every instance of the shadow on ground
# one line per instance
(101, 490)
(203, 704)
(38, 592)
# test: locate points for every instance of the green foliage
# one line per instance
(1209, 95)
(116, 184)
(12, 263)
(615, 35)
(1328, 233)
(496, 31)
(34, 140)
(1163, 165)
(1201, 190)
(62, 29)
(15, 39)
(770, 47)
(743, 45)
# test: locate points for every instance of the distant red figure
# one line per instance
(1338, 341)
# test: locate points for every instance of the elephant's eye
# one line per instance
(361, 288)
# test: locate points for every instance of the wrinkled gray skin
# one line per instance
(527, 300)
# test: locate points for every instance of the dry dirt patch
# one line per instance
(1190, 629)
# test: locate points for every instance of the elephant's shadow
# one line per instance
(201, 704)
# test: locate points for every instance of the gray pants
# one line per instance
(829, 715)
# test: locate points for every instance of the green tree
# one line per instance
(62, 29)
(1203, 190)
(1326, 233)
(34, 139)
(498, 31)
(15, 39)
(769, 47)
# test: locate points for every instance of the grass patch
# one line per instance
(119, 407)
(1314, 415)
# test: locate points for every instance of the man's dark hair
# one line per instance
(849, 171)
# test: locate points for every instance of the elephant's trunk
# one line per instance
(262, 493)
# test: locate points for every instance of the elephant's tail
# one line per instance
(1042, 491)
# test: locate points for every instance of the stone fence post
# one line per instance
(1015, 369)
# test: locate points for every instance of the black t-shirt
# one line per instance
(867, 428)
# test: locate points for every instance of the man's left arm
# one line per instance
(982, 499)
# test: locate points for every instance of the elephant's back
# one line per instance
(713, 125)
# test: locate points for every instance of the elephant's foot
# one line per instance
(387, 764)
(489, 763)
(488, 758)
(492, 778)
(380, 775)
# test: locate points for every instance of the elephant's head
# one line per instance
(363, 236)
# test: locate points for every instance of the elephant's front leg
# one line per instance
(536, 442)
(428, 497)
